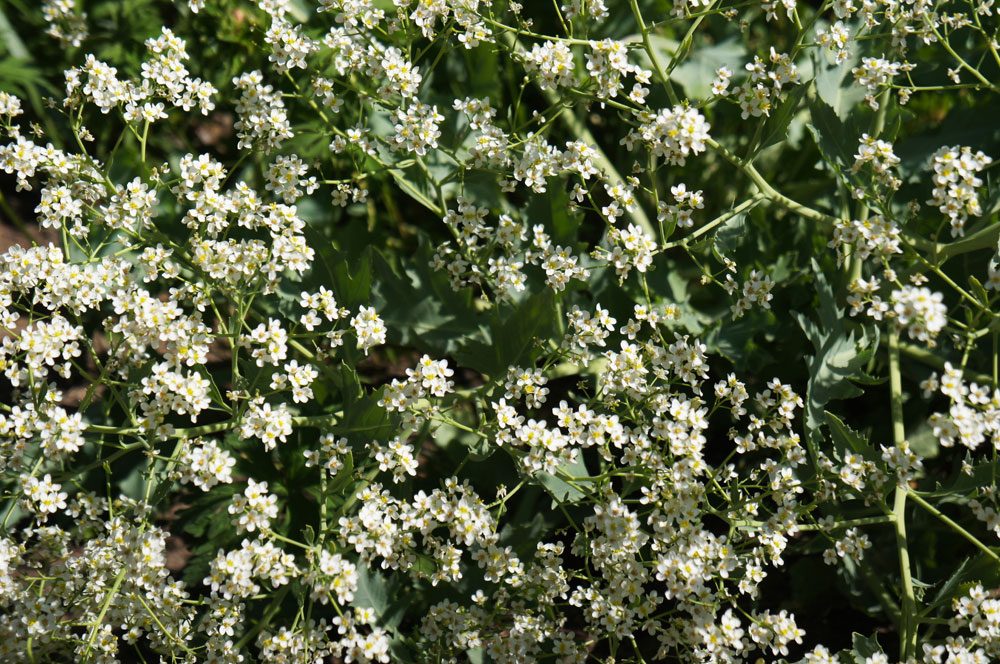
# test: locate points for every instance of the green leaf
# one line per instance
(697, 71)
(840, 354)
(348, 275)
(962, 126)
(554, 208)
(735, 339)
(413, 188)
(561, 490)
(923, 441)
(960, 485)
(18, 77)
(835, 84)
(837, 140)
(864, 647)
(366, 418)
(11, 40)
(343, 477)
(371, 592)
(419, 306)
(531, 322)
(352, 281)
(972, 570)
(776, 129)
(381, 594)
(729, 236)
(844, 436)
(459, 443)
(948, 588)
(346, 380)
(979, 290)
(523, 533)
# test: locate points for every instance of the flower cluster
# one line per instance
(685, 203)
(672, 133)
(972, 418)
(880, 156)
(254, 508)
(205, 464)
(369, 328)
(429, 378)
(955, 184)
(764, 83)
(875, 236)
(552, 63)
(876, 73)
(921, 312)
(421, 330)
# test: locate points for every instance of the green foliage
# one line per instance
(841, 354)
(498, 332)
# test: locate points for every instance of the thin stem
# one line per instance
(972, 539)
(261, 624)
(908, 613)
(745, 206)
(217, 427)
(767, 190)
(651, 52)
(838, 525)
(985, 238)
(961, 61)
(933, 360)
(104, 609)
(142, 141)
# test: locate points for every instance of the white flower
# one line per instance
(254, 508)
(270, 424)
(955, 184)
(43, 496)
(417, 128)
(674, 133)
(369, 328)
(921, 312)
(205, 464)
(552, 62)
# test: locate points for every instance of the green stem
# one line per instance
(965, 65)
(104, 609)
(217, 427)
(849, 523)
(265, 620)
(166, 632)
(856, 262)
(745, 206)
(651, 52)
(908, 612)
(353, 498)
(933, 360)
(985, 238)
(954, 526)
(142, 141)
(287, 540)
(767, 190)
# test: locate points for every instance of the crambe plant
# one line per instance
(496, 331)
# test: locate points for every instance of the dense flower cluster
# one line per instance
(955, 184)
(472, 330)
